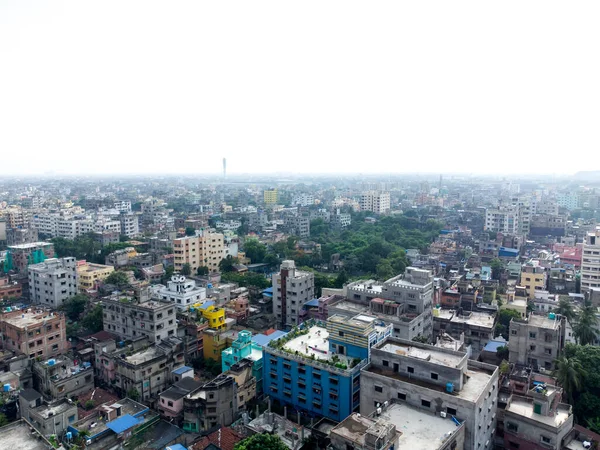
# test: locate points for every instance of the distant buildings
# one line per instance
(292, 288)
(53, 281)
(270, 196)
(91, 274)
(20, 256)
(375, 201)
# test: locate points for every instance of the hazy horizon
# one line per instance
(157, 88)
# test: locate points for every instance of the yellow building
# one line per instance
(270, 196)
(205, 249)
(213, 339)
(533, 278)
(89, 274)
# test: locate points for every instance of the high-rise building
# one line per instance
(590, 261)
(53, 281)
(205, 249)
(292, 288)
(270, 196)
(375, 201)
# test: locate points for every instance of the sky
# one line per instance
(309, 86)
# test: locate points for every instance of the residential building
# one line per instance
(246, 383)
(9, 289)
(129, 224)
(121, 257)
(533, 278)
(537, 341)
(131, 319)
(212, 406)
(477, 327)
(538, 421)
(341, 220)
(22, 434)
(293, 435)
(504, 219)
(292, 288)
(437, 380)
(53, 281)
(91, 274)
(123, 206)
(35, 332)
(170, 404)
(244, 348)
(61, 377)
(590, 261)
(298, 225)
(180, 291)
(303, 200)
(270, 196)
(561, 280)
(19, 256)
(316, 367)
(16, 217)
(567, 200)
(206, 249)
(375, 201)
(47, 418)
(17, 236)
(357, 431)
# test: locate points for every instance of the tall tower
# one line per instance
(224, 167)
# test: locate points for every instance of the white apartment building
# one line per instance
(303, 200)
(180, 291)
(53, 281)
(130, 226)
(123, 206)
(590, 261)
(504, 219)
(291, 290)
(568, 200)
(375, 201)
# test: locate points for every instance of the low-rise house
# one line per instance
(170, 403)
(47, 418)
(61, 377)
(212, 406)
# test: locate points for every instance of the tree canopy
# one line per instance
(118, 278)
(583, 363)
(261, 442)
(504, 318)
(255, 250)
(74, 306)
(247, 279)
(92, 321)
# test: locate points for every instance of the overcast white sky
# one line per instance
(306, 86)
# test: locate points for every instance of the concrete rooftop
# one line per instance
(429, 354)
(29, 319)
(474, 318)
(524, 407)
(18, 435)
(544, 321)
(420, 429)
(143, 356)
(316, 342)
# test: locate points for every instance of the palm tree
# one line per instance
(565, 309)
(587, 323)
(569, 374)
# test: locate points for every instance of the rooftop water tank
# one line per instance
(551, 316)
(450, 387)
(69, 435)
(51, 362)
(6, 387)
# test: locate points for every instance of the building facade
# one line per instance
(180, 291)
(53, 281)
(206, 249)
(90, 274)
(375, 201)
(590, 261)
(292, 289)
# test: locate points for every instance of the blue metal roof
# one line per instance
(206, 304)
(123, 423)
(313, 302)
(493, 346)
(182, 370)
(263, 339)
(268, 290)
(176, 447)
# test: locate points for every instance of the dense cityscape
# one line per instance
(300, 312)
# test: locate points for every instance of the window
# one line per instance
(385, 363)
(548, 351)
(378, 389)
(513, 444)
(434, 376)
(532, 335)
(532, 348)
(513, 332)
(546, 440)
(512, 427)
(410, 369)
(341, 333)
(451, 411)
(426, 403)
(401, 396)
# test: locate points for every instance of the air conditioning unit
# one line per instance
(443, 414)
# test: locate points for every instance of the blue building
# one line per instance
(316, 366)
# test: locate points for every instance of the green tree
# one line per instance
(74, 306)
(123, 238)
(3, 420)
(246, 279)
(502, 353)
(385, 271)
(569, 373)
(585, 328)
(497, 267)
(226, 264)
(255, 250)
(504, 318)
(118, 278)
(421, 339)
(189, 231)
(261, 442)
(93, 320)
(271, 260)
(186, 269)
(202, 270)
(341, 280)
(133, 394)
(565, 309)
